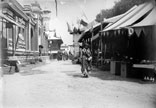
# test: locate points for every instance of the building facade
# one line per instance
(13, 27)
(20, 27)
(54, 45)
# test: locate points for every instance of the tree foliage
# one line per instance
(120, 7)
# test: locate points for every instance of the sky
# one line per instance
(70, 11)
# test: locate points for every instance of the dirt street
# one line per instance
(59, 84)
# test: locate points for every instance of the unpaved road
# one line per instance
(60, 85)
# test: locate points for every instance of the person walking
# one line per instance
(85, 60)
(89, 59)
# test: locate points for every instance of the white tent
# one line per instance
(149, 20)
(114, 19)
(131, 17)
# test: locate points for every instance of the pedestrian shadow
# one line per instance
(78, 76)
(107, 76)
(75, 75)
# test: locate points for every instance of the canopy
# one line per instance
(107, 22)
(138, 16)
(148, 20)
(114, 19)
(96, 28)
(132, 16)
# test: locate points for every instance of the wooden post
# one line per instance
(13, 42)
(101, 45)
(91, 39)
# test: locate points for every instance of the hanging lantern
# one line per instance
(130, 31)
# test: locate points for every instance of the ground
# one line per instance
(59, 84)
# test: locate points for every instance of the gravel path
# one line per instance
(59, 85)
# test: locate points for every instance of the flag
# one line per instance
(69, 28)
(83, 22)
(56, 6)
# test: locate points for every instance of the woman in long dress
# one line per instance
(85, 60)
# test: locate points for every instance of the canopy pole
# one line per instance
(91, 40)
(101, 45)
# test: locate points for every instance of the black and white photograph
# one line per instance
(77, 53)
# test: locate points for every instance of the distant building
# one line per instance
(38, 32)
(54, 45)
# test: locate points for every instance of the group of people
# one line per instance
(86, 59)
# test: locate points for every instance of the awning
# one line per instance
(118, 17)
(149, 20)
(141, 14)
(112, 20)
(108, 21)
(131, 17)
(10, 20)
(96, 28)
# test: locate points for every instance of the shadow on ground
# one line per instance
(24, 69)
(106, 75)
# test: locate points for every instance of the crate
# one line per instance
(115, 67)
